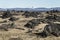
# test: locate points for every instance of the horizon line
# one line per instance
(29, 7)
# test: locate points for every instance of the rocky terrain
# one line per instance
(28, 25)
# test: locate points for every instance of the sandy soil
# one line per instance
(16, 33)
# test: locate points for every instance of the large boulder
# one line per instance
(50, 29)
(53, 29)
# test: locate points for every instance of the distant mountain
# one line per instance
(56, 8)
(23, 9)
(2, 9)
(41, 9)
(31, 9)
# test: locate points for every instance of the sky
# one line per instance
(29, 3)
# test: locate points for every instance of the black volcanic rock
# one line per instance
(32, 23)
(53, 18)
(31, 14)
(50, 29)
(53, 29)
(7, 14)
(7, 26)
(13, 19)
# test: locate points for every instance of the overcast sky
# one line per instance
(29, 3)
